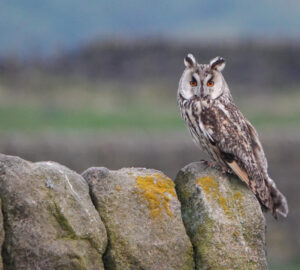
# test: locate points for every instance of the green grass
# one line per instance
(290, 266)
(264, 119)
(46, 103)
(38, 119)
(32, 119)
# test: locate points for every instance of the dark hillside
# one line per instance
(260, 65)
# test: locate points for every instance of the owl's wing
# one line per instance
(238, 146)
(279, 201)
(258, 149)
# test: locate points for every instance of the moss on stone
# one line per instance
(158, 191)
(203, 242)
(63, 222)
(216, 211)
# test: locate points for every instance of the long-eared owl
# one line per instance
(221, 130)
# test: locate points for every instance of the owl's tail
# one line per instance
(279, 201)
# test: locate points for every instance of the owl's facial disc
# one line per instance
(190, 83)
(205, 81)
(214, 85)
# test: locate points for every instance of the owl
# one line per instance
(219, 128)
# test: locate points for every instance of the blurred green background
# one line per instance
(93, 83)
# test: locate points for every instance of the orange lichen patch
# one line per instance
(158, 191)
(211, 189)
(118, 188)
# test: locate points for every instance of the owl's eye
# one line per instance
(193, 82)
(210, 83)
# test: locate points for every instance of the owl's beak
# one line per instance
(201, 91)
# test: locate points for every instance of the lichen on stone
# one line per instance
(237, 196)
(235, 234)
(221, 218)
(158, 191)
(211, 189)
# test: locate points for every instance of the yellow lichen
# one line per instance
(158, 191)
(211, 189)
(236, 234)
(237, 196)
(224, 204)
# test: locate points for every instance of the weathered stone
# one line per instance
(1, 234)
(223, 219)
(49, 219)
(141, 212)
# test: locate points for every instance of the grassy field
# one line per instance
(59, 105)
(292, 266)
(34, 119)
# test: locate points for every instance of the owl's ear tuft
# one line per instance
(217, 63)
(189, 60)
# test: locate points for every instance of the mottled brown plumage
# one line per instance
(221, 130)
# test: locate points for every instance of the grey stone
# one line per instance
(223, 219)
(1, 235)
(142, 214)
(49, 219)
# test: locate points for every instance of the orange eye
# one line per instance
(210, 83)
(193, 82)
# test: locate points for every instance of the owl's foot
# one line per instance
(226, 170)
(216, 165)
(212, 164)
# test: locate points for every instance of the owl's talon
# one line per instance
(211, 164)
(225, 170)
(216, 165)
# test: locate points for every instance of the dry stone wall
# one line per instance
(132, 218)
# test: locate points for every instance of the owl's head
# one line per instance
(203, 80)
